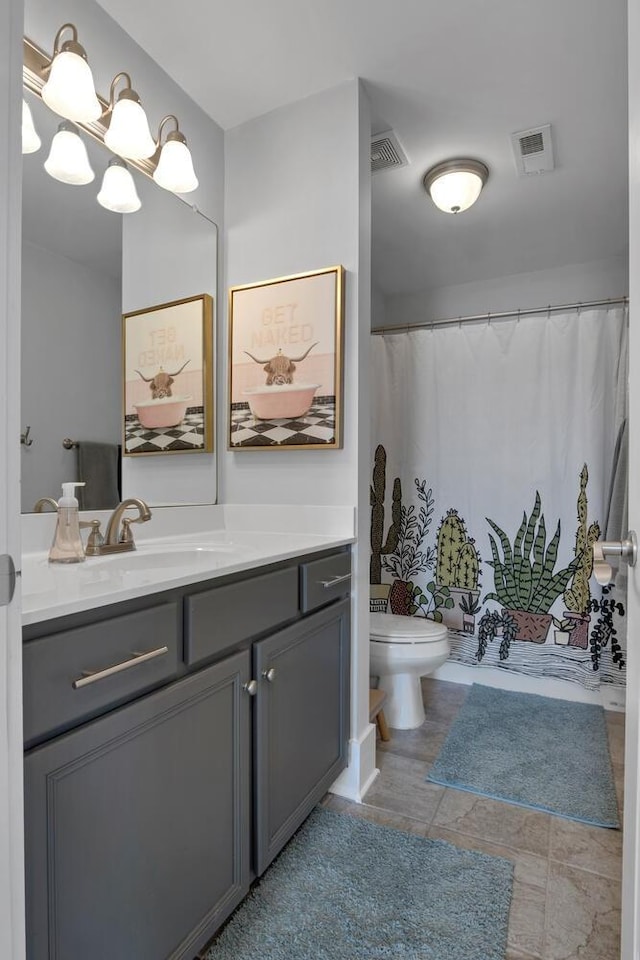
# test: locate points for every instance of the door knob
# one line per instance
(269, 674)
(626, 550)
(251, 687)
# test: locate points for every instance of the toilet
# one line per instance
(403, 649)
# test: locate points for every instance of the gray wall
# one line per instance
(66, 307)
(600, 279)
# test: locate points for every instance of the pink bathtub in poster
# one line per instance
(167, 412)
(281, 401)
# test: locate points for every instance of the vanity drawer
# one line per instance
(322, 581)
(77, 674)
(224, 616)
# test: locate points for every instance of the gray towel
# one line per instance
(98, 468)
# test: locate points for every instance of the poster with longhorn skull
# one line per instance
(285, 351)
(168, 378)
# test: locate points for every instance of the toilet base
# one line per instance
(404, 708)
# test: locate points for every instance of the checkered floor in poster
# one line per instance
(316, 427)
(188, 435)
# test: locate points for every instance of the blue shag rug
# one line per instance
(533, 751)
(348, 889)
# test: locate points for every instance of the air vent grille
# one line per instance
(533, 150)
(386, 152)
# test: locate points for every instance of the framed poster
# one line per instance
(285, 362)
(168, 378)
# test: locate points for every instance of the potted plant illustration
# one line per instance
(577, 597)
(432, 602)
(496, 624)
(604, 631)
(408, 559)
(563, 631)
(524, 579)
(458, 566)
(470, 605)
(379, 592)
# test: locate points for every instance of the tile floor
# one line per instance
(566, 895)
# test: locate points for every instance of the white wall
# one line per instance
(378, 307)
(298, 199)
(66, 307)
(600, 279)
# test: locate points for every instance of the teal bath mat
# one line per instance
(534, 751)
(347, 889)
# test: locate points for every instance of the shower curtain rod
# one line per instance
(507, 314)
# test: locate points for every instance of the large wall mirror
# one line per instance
(83, 266)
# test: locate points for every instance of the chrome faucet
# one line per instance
(118, 536)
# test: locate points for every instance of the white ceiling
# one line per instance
(452, 79)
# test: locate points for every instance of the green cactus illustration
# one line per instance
(376, 496)
(458, 559)
(578, 595)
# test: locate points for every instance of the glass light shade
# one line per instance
(68, 160)
(128, 134)
(69, 90)
(118, 191)
(457, 191)
(175, 168)
(30, 139)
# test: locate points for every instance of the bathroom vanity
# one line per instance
(174, 741)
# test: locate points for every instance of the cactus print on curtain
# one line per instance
(494, 447)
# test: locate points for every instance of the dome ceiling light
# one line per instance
(455, 185)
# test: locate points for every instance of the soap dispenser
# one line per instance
(67, 542)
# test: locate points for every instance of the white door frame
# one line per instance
(11, 807)
(631, 851)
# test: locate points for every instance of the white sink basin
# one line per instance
(173, 556)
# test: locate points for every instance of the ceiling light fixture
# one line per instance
(128, 134)
(68, 160)
(31, 142)
(455, 185)
(175, 167)
(69, 90)
(118, 191)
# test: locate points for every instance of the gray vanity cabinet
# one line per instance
(138, 824)
(301, 723)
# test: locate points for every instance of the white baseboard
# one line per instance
(353, 783)
(609, 697)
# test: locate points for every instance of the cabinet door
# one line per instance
(138, 824)
(301, 723)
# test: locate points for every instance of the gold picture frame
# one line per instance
(288, 394)
(167, 378)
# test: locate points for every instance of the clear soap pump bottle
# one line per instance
(67, 542)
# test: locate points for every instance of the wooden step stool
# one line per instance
(376, 703)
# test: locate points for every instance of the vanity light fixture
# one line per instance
(118, 191)
(31, 142)
(455, 185)
(128, 134)
(69, 90)
(68, 160)
(174, 171)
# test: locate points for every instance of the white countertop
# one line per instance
(175, 559)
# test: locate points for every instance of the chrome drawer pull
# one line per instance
(90, 676)
(335, 581)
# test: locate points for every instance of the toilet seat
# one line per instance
(392, 628)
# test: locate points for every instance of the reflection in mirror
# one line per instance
(72, 301)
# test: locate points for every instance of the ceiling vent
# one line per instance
(386, 152)
(533, 150)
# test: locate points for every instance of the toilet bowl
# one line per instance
(403, 649)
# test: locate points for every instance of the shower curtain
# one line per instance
(493, 455)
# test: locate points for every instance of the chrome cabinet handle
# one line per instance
(251, 687)
(92, 676)
(270, 674)
(335, 581)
